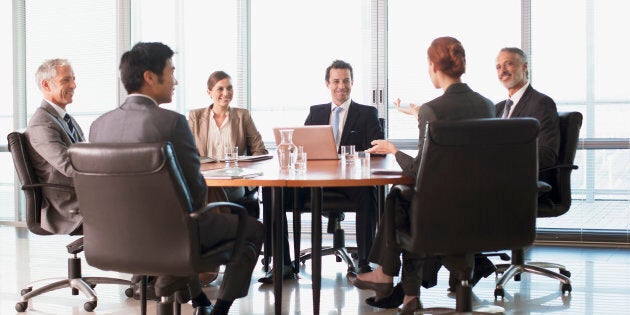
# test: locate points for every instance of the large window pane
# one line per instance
(412, 25)
(84, 32)
(290, 53)
(204, 41)
(6, 76)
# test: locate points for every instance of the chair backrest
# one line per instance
(558, 201)
(135, 205)
(476, 188)
(29, 181)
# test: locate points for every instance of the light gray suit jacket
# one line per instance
(48, 139)
(139, 119)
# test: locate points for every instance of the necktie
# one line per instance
(73, 132)
(335, 122)
(506, 108)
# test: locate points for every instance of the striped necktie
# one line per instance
(73, 131)
(506, 109)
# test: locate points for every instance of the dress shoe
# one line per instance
(392, 301)
(382, 290)
(287, 274)
(203, 310)
(410, 308)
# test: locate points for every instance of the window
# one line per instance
(290, 54)
(412, 25)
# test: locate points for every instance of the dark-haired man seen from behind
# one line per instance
(524, 101)
(50, 133)
(147, 72)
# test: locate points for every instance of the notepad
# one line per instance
(231, 173)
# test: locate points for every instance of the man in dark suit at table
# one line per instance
(524, 101)
(49, 133)
(353, 124)
(147, 72)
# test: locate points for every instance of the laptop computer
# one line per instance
(318, 141)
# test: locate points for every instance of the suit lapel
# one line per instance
(62, 124)
(235, 121)
(351, 118)
(523, 102)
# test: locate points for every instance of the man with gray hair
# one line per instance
(50, 132)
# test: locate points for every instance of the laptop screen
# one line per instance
(318, 141)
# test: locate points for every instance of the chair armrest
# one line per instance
(573, 167)
(236, 209)
(42, 185)
(543, 187)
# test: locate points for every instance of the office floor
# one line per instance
(600, 279)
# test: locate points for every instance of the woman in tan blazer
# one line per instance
(219, 125)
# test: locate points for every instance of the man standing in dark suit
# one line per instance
(49, 133)
(147, 72)
(356, 125)
(524, 101)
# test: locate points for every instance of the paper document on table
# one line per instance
(382, 171)
(231, 173)
(207, 159)
(251, 158)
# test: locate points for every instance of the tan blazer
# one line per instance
(48, 140)
(244, 132)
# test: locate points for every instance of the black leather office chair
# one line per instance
(33, 192)
(555, 203)
(476, 191)
(138, 214)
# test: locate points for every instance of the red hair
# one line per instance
(448, 55)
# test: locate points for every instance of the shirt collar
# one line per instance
(517, 96)
(143, 95)
(62, 112)
(343, 105)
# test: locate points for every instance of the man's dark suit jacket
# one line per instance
(361, 126)
(458, 102)
(49, 140)
(542, 107)
(139, 119)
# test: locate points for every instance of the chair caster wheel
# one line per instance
(129, 292)
(26, 290)
(499, 292)
(566, 287)
(565, 273)
(21, 306)
(89, 306)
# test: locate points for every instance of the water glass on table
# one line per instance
(231, 156)
(299, 165)
(348, 154)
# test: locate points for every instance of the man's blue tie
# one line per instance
(335, 122)
(506, 108)
(73, 132)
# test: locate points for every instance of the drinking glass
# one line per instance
(348, 154)
(231, 156)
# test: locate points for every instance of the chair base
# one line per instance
(539, 268)
(341, 254)
(84, 285)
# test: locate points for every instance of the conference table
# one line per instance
(318, 175)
